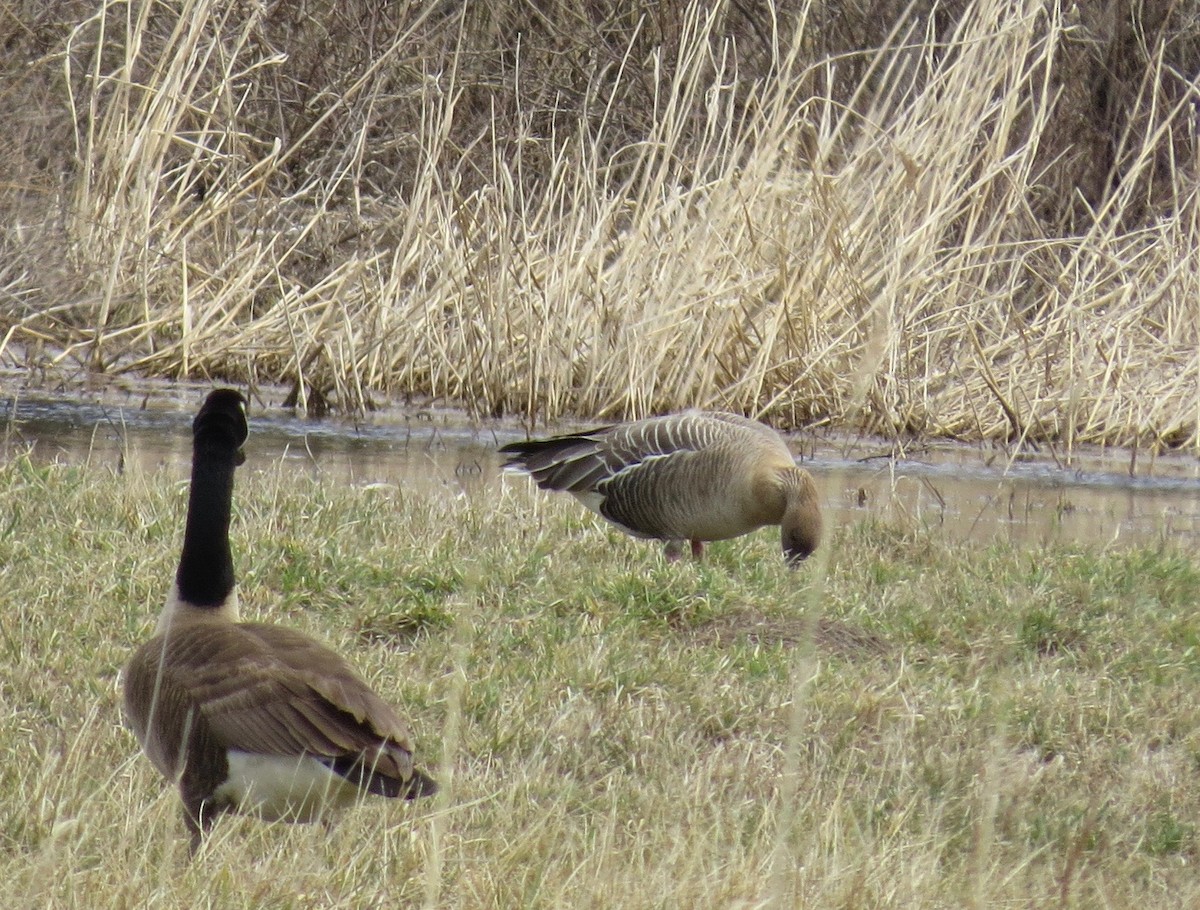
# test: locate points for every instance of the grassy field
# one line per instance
(975, 220)
(905, 722)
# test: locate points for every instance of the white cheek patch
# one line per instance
(283, 787)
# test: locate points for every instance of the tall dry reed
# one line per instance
(729, 214)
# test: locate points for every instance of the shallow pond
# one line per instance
(979, 493)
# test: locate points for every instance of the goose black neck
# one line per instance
(205, 575)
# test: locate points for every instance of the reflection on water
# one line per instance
(1027, 508)
(966, 492)
(426, 447)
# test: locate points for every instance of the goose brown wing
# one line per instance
(161, 711)
(757, 434)
(655, 496)
(692, 431)
(268, 690)
(685, 476)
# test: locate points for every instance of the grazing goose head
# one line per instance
(800, 527)
(252, 717)
(696, 476)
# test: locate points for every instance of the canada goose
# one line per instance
(693, 476)
(251, 717)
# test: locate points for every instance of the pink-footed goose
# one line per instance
(693, 476)
(252, 717)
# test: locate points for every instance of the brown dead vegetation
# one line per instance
(975, 220)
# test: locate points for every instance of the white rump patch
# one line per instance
(594, 500)
(284, 787)
(590, 498)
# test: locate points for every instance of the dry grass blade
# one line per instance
(794, 223)
(909, 722)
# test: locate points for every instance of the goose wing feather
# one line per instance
(574, 462)
(268, 690)
(582, 462)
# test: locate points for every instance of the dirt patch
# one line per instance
(832, 636)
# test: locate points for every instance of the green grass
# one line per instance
(905, 722)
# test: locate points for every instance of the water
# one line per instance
(425, 446)
(1102, 497)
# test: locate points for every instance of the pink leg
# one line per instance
(697, 548)
(673, 550)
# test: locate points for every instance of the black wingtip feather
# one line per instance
(572, 463)
(550, 448)
(419, 785)
(356, 770)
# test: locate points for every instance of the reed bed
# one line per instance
(965, 220)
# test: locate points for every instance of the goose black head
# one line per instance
(221, 422)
